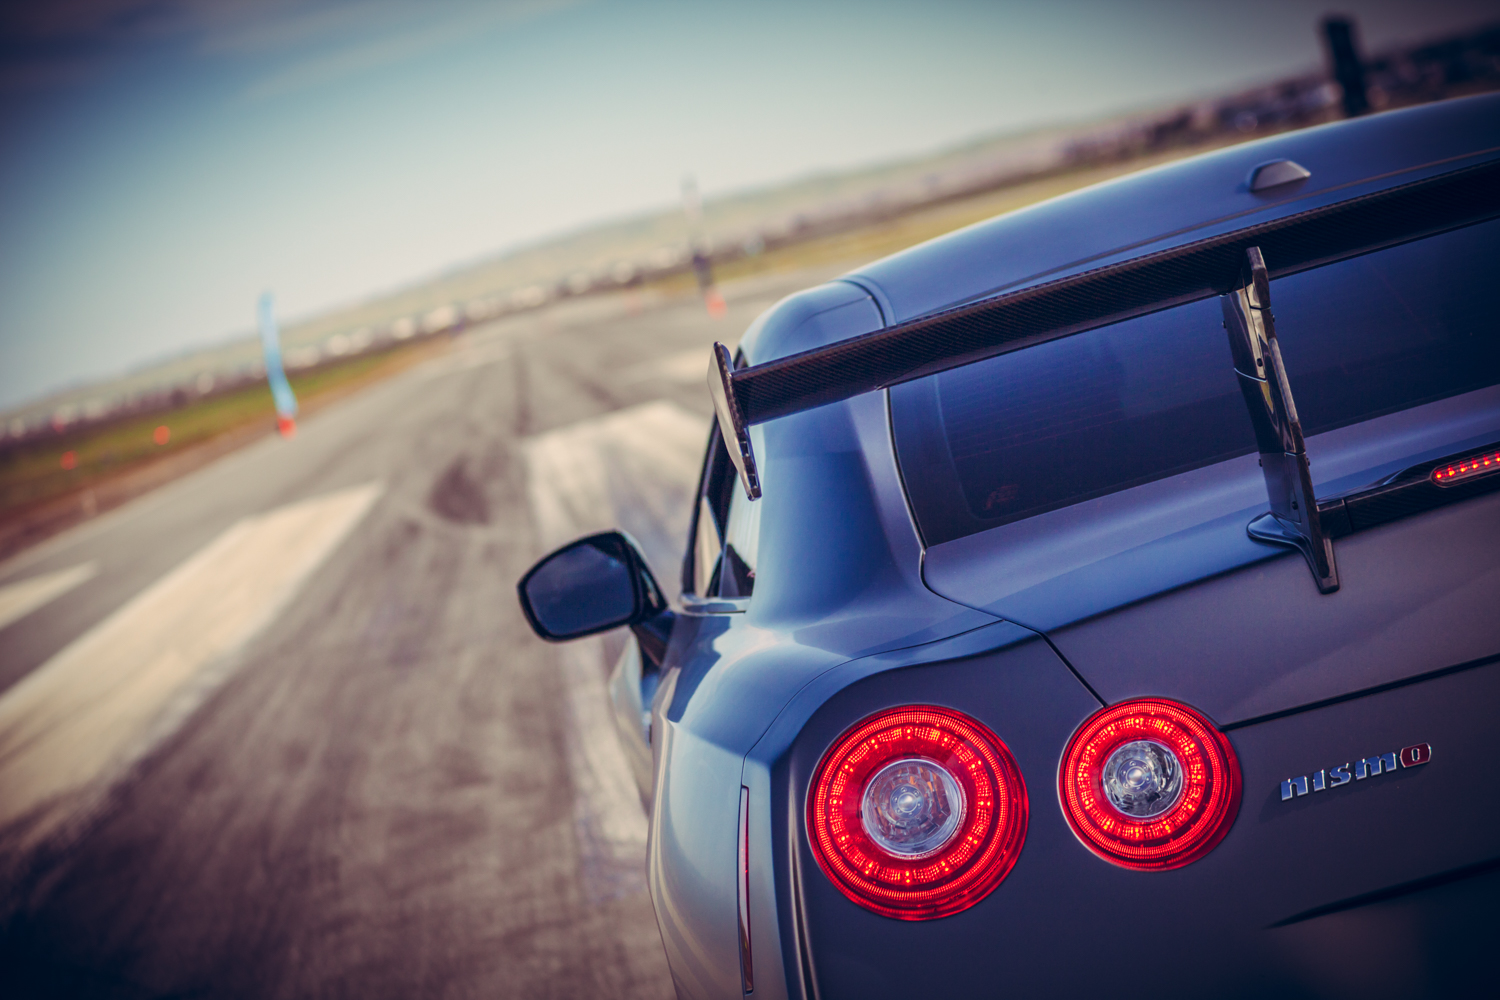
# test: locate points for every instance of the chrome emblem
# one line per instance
(1359, 770)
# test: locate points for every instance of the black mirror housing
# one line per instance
(591, 585)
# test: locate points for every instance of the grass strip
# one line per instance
(72, 462)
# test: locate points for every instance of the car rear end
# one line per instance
(1095, 492)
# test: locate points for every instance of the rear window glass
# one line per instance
(1023, 433)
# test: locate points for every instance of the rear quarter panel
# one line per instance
(1320, 896)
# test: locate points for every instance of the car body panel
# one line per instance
(694, 817)
(1417, 596)
(838, 578)
(1003, 675)
(1108, 579)
(1050, 928)
(814, 317)
(1030, 627)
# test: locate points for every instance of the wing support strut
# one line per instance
(1042, 308)
(731, 420)
(1293, 519)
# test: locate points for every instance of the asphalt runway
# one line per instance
(279, 729)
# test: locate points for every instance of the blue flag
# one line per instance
(270, 341)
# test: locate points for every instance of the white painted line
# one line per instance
(17, 600)
(80, 720)
(688, 367)
(634, 468)
(464, 358)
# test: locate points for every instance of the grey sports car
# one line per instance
(1103, 599)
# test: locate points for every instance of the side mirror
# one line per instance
(596, 583)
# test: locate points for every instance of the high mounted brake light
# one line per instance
(1149, 784)
(917, 812)
(1469, 468)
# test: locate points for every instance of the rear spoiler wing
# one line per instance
(1055, 309)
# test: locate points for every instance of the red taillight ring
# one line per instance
(1207, 795)
(971, 856)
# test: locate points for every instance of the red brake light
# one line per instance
(917, 812)
(1149, 784)
(1468, 468)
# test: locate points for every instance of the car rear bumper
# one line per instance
(1382, 886)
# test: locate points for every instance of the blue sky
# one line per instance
(163, 161)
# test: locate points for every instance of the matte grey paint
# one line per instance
(1154, 590)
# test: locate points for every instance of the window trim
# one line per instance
(717, 478)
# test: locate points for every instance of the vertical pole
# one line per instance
(692, 207)
(1344, 62)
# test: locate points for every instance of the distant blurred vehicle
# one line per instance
(1064, 652)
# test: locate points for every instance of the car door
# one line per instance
(718, 576)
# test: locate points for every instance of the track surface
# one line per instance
(390, 788)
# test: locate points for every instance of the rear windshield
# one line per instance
(1041, 428)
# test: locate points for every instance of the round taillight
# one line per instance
(1149, 784)
(917, 812)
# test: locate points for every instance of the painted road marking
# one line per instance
(688, 367)
(636, 469)
(17, 600)
(81, 719)
(465, 356)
